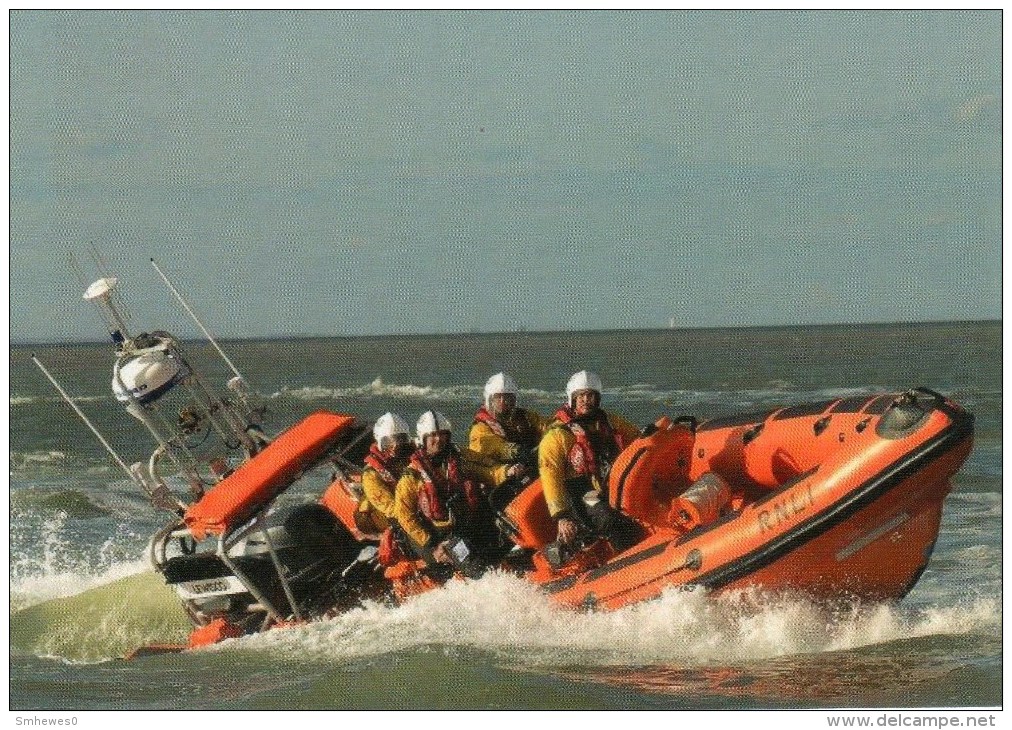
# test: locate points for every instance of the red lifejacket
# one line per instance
(516, 428)
(383, 464)
(389, 549)
(584, 456)
(438, 488)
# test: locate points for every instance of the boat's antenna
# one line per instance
(77, 269)
(189, 311)
(84, 418)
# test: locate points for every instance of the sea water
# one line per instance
(82, 593)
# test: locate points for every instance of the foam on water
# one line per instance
(23, 400)
(55, 567)
(507, 616)
(778, 393)
(31, 459)
(377, 388)
(104, 616)
(33, 589)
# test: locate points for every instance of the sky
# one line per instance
(354, 173)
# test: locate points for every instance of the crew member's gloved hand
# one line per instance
(441, 554)
(516, 470)
(568, 530)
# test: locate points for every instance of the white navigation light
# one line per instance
(145, 377)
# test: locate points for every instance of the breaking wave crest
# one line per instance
(85, 605)
(35, 459)
(71, 501)
(104, 615)
(377, 388)
(48, 565)
(511, 618)
(24, 400)
(106, 621)
(779, 392)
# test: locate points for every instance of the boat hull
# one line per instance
(876, 553)
(856, 513)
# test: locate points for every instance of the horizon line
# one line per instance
(472, 333)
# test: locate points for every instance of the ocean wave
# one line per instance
(85, 603)
(377, 388)
(988, 501)
(33, 459)
(62, 582)
(71, 501)
(21, 400)
(779, 392)
(510, 617)
(104, 616)
(129, 608)
(46, 562)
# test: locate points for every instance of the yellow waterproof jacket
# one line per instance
(553, 460)
(378, 503)
(472, 466)
(498, 450)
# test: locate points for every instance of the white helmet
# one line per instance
(430, 422)
(583, 380)
(389, 425)
(499, 383)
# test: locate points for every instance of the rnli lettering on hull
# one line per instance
(786, 509)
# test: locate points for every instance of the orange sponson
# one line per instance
(218, 630)
(340, 499)
(237, 497)
(407, 578)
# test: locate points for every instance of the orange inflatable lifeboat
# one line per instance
(836, 498)
(841, 498)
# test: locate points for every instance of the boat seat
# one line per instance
(651, 472)
(644, 480)
(528, 513)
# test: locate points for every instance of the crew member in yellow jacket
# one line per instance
(505, 434)
(384, 464)
(574, 458)
(439, 501)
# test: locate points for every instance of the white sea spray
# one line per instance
(55, 566)
(635, 393)
(507, 616)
